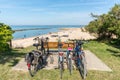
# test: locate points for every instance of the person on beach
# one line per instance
(24, 36)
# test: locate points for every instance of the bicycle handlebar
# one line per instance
(38, 38)
(80, 42)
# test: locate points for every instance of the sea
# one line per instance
(25, 31)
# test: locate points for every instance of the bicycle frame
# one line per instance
(60, 54)
(80, 61)
(60, 57)
(69, 61)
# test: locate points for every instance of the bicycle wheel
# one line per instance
(31, 65)
(61, 70)
(33, 69)
(82, 68)
(70, 65)
(40, 64)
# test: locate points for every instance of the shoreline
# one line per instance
(73, 33)
(59, 30)
(27, 31)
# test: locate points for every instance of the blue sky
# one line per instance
(52, 12)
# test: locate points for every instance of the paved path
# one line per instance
(93, 63)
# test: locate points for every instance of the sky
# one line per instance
(52, 12)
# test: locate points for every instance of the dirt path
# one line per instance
(93, 63)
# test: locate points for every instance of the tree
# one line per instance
(115, 15)
(5, 36)
(106, 25)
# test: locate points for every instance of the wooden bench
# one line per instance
(55, 45)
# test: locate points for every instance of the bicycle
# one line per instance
(35, 59)
(60, 54)
(80, 58)
(34, 62)
(69, 58)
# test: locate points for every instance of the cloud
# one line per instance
(37, 9)
(12, 6)
(6, 6)
(75, 14)
(79, 4)
(68, 15)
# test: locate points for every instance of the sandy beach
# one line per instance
(73, 33)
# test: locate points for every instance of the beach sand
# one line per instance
(73, 33)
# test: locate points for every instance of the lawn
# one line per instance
(110, 56)
(107, 53)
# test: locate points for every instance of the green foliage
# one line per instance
(5, 36)
(106, 25)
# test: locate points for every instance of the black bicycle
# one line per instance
(35, 59)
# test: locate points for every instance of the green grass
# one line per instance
(108, 54)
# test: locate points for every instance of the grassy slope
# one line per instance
(107, 54)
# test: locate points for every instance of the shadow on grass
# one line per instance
(115, 44)
(115, 53)
(12, 57)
